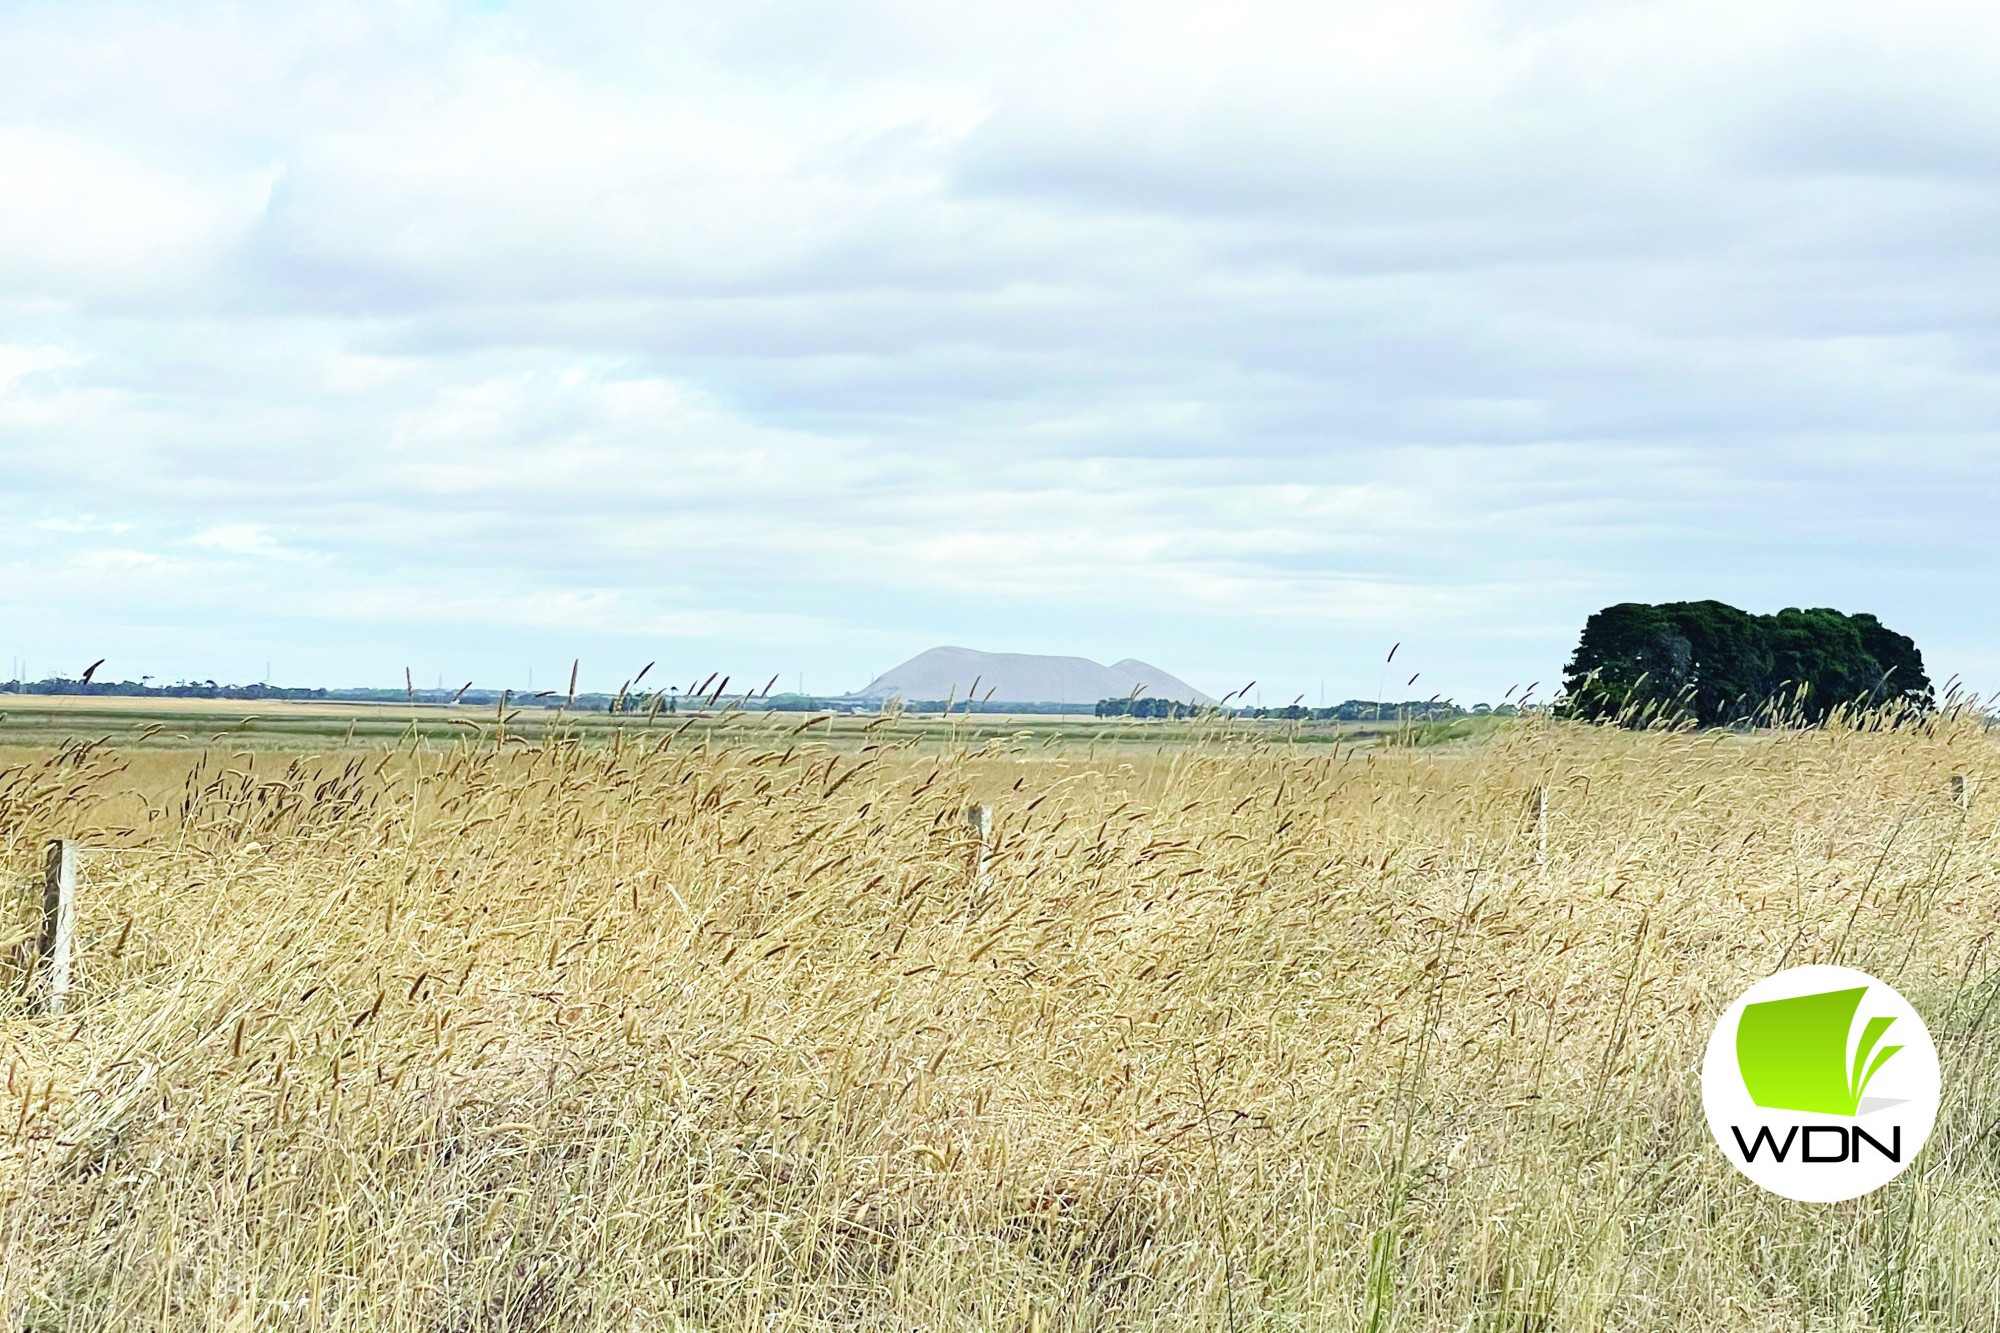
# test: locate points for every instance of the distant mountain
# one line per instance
(1025, 678)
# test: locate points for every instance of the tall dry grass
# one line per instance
(635, 1036)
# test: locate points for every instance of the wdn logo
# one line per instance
(1820, 1083)
(1846, 1143)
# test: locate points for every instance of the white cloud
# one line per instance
(614, 615)
(1233, 337)
(245, 539)
(79, 526)
(18, 362)
(82, 220)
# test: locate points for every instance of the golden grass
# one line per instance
(636, 1036)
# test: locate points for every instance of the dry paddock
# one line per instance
(635, 1035)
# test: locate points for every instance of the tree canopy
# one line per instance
(1147, 707)
(1712, 664)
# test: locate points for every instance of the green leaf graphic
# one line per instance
(1793, 1052)
(1880, 1056)
(1858, 1078)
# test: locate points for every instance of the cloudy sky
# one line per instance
(1246, 338)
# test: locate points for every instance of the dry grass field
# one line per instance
(728, 1030)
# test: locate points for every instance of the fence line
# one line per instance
(58, 941)
(1541, 826)
(981, 820)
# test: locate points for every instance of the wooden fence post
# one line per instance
(981, 820)
(1541, 826)
(52, 969)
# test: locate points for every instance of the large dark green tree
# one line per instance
(1711, 664)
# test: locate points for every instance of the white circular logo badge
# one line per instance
(1820, 1083)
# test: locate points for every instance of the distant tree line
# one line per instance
(1148, 707)
(1354, 710)
(208, 689)
(183, 689)
(1376, 710)
(1710, 664)
(632, 702)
